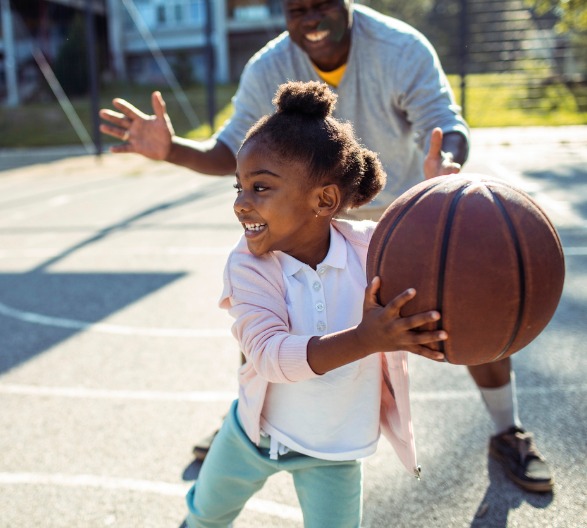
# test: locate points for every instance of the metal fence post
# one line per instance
(93, 70)
(463, 36)
(210, 66)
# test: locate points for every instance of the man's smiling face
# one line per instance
(322, 29)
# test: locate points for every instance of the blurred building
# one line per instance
(178, 28)
(135, 35)
(29, 27)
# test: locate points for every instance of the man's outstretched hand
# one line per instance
(437, 162)
(149, 135)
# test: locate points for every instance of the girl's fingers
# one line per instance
(428, 353)
(423, 338)
(414, 321)
(398, 302)
(372, 289)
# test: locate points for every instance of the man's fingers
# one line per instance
(129, 110)
(452, 168)
(159, 106)
(123, 148)
(116, 118)
(435, 142)
(113, 131)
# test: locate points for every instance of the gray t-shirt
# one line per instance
(394, 92)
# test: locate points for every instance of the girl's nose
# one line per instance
(241, 204)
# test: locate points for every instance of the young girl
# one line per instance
(326, 367)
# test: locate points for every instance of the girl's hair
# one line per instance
(303, 129)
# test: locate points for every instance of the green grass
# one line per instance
(493, 100)
(503, 100)
(46, 124)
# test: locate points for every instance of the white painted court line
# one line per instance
(82, 392)
(445, 395)
(104, 328)
(116, 251)
(562, 208)
(142, 486)
(228, 396)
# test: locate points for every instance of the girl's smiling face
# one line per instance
(276, 206)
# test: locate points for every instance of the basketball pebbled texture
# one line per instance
(479, 251)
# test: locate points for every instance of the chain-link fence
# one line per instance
(507, 64)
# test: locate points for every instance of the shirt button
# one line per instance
(316, 285)
(321, 326)
(320, 306)
(321, 270)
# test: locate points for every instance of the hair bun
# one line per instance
(313, 99)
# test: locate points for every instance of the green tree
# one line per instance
(572, 14)
(414, 12)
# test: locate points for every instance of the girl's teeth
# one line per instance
(254, 227)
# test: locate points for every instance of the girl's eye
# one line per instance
(237, 187)
(260, 188)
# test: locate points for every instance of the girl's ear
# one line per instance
(329, 199)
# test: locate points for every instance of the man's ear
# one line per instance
(329, 199)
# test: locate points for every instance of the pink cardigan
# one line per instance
(254, 293)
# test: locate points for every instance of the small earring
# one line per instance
(317, 213)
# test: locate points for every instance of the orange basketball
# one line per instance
(479, 251)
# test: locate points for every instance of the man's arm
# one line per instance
(153, 137)
(208, 157)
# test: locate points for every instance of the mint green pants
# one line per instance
(330, 493)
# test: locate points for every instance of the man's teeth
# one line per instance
(254, 227)
(317, 35)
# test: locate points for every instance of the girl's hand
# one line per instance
(383, 329)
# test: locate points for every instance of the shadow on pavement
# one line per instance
(192, 471)
(60, 305)
(502, 496)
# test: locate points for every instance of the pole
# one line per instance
(464, 37)
(93, 67)
(10, 64)
(210, 66)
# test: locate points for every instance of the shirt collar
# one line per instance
(336, 257)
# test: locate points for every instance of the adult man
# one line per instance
(391, 87)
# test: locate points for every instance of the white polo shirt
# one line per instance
(334, 416)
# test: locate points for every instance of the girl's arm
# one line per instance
(382, 329)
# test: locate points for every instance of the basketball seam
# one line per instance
(390, 231)
(443, 256)
(521, 275)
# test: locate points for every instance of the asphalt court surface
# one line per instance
(114, 358)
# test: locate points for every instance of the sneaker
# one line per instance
(203, 446)
(522, 461)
